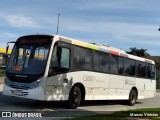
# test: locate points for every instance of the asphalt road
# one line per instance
(59, 110)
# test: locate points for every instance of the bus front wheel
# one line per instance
(74, 97)
(132, 97)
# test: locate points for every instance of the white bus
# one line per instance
(56, 68)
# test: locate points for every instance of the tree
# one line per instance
(138, 52)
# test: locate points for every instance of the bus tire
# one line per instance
(39, 101)
(74, 97)
(132, 97)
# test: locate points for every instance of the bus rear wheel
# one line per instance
(74, 97)
(132, 97)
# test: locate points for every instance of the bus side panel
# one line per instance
(95, 84)
(140, 84)
(146, 88)
(57, 88)
(116, 88)
(129, 83)
(97, 88)
(149, 88)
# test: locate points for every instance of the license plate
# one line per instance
(18, 92)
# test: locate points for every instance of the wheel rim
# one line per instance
(133, 98)
(75, 97)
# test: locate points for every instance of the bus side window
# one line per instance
(150, 71)
(141, 69)
(120, 65)
(82, 58)
(113, 64)
(60, 61)
(129, 67)
(65, 58)
(101, 62)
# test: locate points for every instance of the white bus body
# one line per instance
(71, 75)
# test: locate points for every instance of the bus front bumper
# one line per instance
(35, 93)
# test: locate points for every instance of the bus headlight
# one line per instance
(37, 83)
(7, 82)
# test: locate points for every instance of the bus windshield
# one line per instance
(29, 55)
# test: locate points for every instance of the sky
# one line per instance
(117, 23)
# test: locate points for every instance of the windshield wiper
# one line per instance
(24, 61)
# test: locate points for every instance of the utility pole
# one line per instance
(58, 23)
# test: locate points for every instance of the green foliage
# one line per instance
(138, 52)
(122, 115)
(2, 73)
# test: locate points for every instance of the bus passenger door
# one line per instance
(58, 78)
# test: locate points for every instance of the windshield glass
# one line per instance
(29, 55)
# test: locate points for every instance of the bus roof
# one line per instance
(104, 48)
(36, 35)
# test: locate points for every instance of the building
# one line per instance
(4, 57)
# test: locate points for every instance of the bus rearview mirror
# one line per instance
(7, 49)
